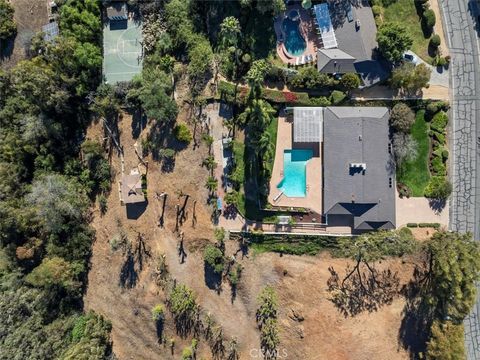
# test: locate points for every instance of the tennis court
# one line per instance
(122, 51)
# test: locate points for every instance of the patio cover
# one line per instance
(325, 25)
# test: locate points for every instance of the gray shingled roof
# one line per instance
(359, 135)
(307, 124)
(332, 61)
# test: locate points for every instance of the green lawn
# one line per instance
(415, 174)
(405, 13)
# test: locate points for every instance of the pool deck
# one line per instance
(308, 31)
(313, 199)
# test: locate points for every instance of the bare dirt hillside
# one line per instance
(124, 290)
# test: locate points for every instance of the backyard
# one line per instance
(405, 13)
(415, 174)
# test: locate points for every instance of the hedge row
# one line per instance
(424, 225)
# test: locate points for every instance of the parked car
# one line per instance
(410, 58)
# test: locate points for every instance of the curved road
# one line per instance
(460, 23)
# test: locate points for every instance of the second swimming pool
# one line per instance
(294, 182)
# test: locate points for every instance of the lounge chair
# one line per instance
(297, 60)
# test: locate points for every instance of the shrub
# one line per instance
(429, 18)
(320, 101)
(446, 341)
(402, 117)
(8, 27)
(377, 10)
(441, 61)
(429, 225)
(158, 312)
(412, 225)
(435, 41)
(445, 154)
(438, 166)
(439, 121)
(213, 258)
(438, 188)
(350, 81)
(439, 137)
(182, 133)
(336, 97)
(166, 153)
(102, 203)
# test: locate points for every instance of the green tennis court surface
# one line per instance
(122, 52)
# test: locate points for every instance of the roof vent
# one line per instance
(359, 137)
(359, 166)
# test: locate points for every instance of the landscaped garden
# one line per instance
(416, 21)
(405, 13)
(421, 153)
(415, 173)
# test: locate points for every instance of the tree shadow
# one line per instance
(128, 273)
(437, 205)
(139, 122)
(6, 48)
(159, 327)
(362, 290)
(417, 317)
(213, 280)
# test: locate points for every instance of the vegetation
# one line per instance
(402, 117)
(410, 78)
(8, 28)
(447, 341)
(182, 304)
(158, 312)
(182, 133)
(414, 173)
(438, 188)
(408, 14)
(350, 81)
(267, 322)
(393, 41)
(44, 200)
(214, 259)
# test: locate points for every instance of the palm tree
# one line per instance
(259, 114)
(256, 75)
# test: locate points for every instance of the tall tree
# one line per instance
(393, 40)
(454, 266)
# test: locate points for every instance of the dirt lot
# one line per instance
(30, 16)
(301, 282)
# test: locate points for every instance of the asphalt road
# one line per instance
(460, 19)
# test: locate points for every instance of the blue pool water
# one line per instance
(294, 182)
(294, 41)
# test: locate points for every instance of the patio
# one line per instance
(308, 31)
(313, 199)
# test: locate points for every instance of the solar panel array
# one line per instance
(50, 30)
(307, 124)
(324, 22)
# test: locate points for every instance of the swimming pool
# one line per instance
(294, 41)
(294, 182)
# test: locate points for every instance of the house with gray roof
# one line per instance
(335, 61)
(358, 168)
